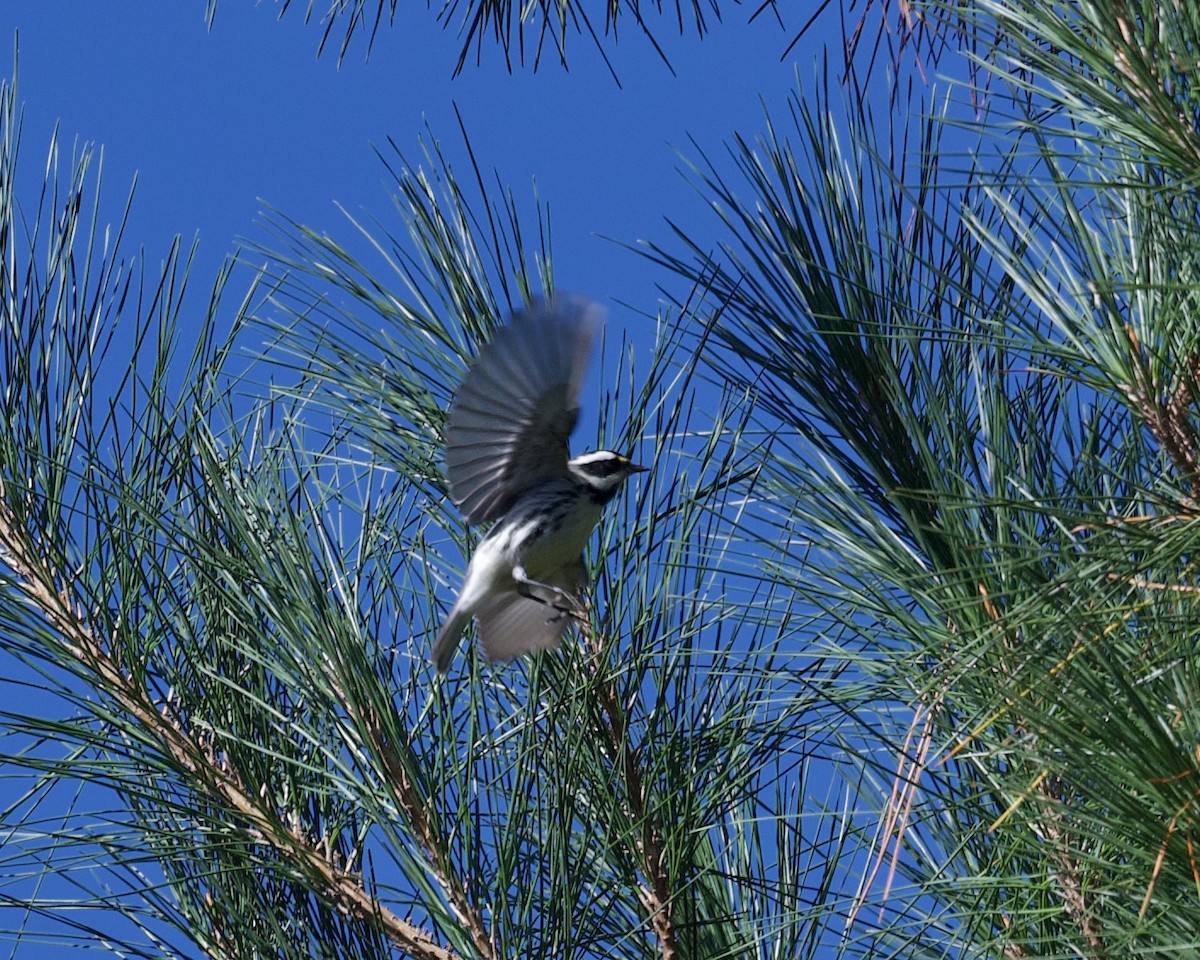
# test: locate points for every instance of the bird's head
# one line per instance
(603, 472)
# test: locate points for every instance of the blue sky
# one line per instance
(215, 123)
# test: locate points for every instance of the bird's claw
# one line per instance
(561, 601)
(574, 611)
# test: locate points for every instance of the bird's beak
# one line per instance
(637, 467)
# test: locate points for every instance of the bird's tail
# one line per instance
(446, 644)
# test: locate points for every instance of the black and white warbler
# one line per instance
(507, 461)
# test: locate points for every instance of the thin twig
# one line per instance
(898, 808)
(1169, 421)
(1070, 881)
(655, 892)
(417, 810)
(1143, 584)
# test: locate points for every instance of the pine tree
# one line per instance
(889, 656)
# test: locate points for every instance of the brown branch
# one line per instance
(417, 811)
(1070, 881)
(1142, 583)
(1169, 422)
(32, 576)
(655, 892)
(898, 809)
(1049, 820)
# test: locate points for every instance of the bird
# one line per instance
(508, 463)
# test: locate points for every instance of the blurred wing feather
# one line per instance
(510, 420)
(512, 625)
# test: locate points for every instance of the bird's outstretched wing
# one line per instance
(510, 420)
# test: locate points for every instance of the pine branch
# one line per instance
(1071, 876)
(654, 893)
(204, 769)
(416, 808)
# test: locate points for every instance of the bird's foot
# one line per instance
(562, 602)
